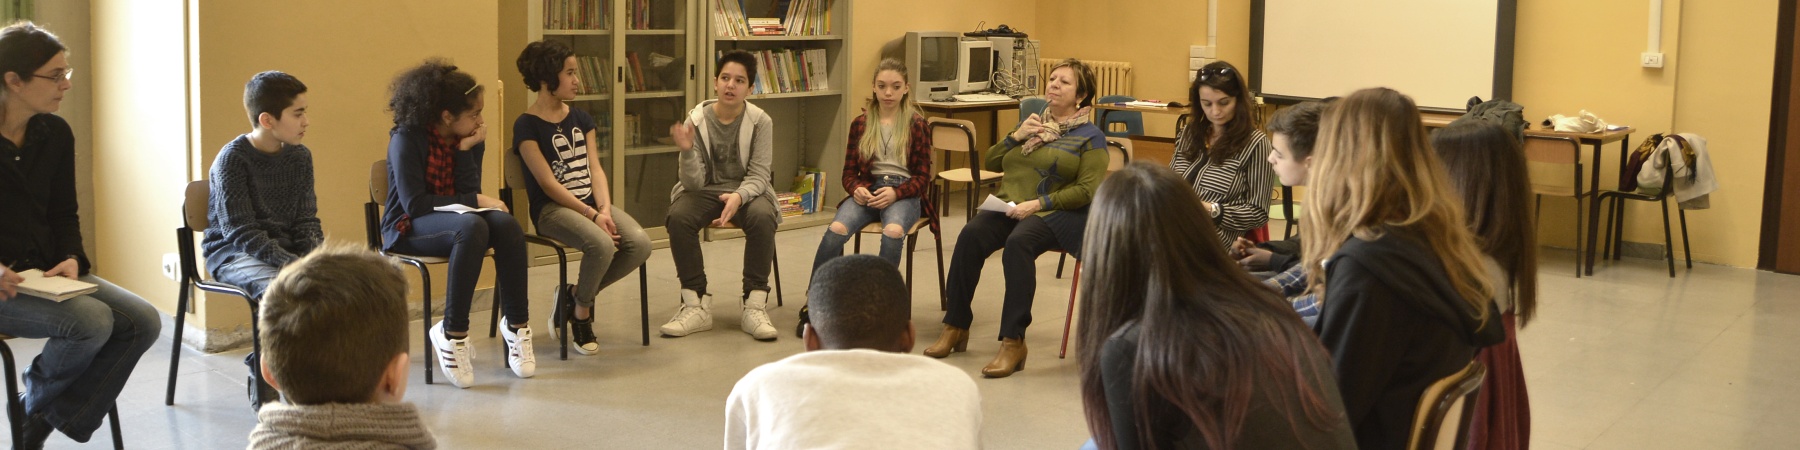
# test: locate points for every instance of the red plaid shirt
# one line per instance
(858, 173)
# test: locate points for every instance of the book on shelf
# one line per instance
(803, 18)
(809, 189)
(786, 70)
(575, 14)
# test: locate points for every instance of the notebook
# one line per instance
(53, 288)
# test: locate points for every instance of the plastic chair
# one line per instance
(378, 190)
(1031, 105)
(1566, 152)
(515, 175)
(1133, 120)
(194, 210)
(1433, 425)
(15, 410)
(952, 135)
(1615, 209)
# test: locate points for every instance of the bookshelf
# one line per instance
(811, 105)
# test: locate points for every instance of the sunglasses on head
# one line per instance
(1222, 73)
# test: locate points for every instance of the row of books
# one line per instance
(575, 14)
(635, 81)
(809, 18)
(591, 69)
(804, 18)
(789, 204)
(789, 70)
(809, 188)
(638, 11)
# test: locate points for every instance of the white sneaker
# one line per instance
(756, 316)
(454, 356)
(519, 353)
(695, 315)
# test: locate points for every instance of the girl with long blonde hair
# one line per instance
(1406, 297)
(887, 168)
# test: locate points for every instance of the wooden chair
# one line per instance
(952, 135)
(1614, 215)
(194, 211)
(1434, 427)
(927, 220)
(515, 175)
(1561, 151)
(15, 410)
(378, 191)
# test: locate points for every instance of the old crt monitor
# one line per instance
(932, 58)
(974, 65)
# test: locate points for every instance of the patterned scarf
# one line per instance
(1054, 130)
(440, 171)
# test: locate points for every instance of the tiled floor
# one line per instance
(1625, 359)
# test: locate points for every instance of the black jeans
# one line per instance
(693, 211)
(1023, 240)
(465, 239)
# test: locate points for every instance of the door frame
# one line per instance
(1783, 170)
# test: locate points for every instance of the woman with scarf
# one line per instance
(1224, 156)
(1052, 164)
(434, 160)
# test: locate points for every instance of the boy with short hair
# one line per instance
(262, 209)
(727, 146)
(856, 386)
(333, 328)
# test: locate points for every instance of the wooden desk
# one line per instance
(952, 108)
(1180, 112)
(1597, 140)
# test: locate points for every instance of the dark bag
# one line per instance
(1508, 114)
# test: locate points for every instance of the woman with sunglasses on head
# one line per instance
(94, 339)
(434, 160)
(1223, 157)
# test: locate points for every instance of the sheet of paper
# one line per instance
(995, 204)
(461, 208)
(53, 288)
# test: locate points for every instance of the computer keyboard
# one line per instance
(980, 97)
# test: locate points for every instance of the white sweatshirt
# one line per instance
(854, 399)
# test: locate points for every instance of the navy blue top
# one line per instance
(408, 193)
(565, 147)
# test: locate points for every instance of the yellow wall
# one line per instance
(1158, 53)
(140, 141)
(1724, 92)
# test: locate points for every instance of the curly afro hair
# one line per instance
(419, 94)
(541, 61)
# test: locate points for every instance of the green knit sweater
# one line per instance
(1063, 174)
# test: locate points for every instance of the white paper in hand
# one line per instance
(461, 208)
(53, 288)
(995, 204)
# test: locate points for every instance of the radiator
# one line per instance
(1110, 77)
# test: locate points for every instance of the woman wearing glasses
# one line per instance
(434, 160)
(95, 339)
(1224, 156)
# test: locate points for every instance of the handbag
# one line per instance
(1633, 164)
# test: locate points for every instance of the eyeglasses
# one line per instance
(1223, 73)
(65, 74)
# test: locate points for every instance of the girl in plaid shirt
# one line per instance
(887, 169)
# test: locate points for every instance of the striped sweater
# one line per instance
(1240, 185)
(1063, 174)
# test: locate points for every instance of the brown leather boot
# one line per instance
(953, 339)
(1011, 359)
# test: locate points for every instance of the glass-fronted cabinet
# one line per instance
(654, 73)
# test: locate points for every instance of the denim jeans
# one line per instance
(602, 261)
(465, 239)
(853, 217)
(94, 342)
(246, 272)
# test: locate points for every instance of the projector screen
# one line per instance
(1436, 51)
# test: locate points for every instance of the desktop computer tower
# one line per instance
(1015, 66)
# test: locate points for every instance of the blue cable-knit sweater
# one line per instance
(262, 205)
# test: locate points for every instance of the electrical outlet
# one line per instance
(1653, 60)
(1196, 63)
(1197, 51)
(171, 266)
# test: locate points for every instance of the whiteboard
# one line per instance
(1439, 52)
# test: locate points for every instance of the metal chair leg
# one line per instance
(1686, 252)
(1577, 232)
(1668, 241)
(181, 306)
(1060, 260)
(644, 300)
(1069, 318)
(118, 437)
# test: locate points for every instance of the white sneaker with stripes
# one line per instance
(455, 356)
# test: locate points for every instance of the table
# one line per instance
(951, 108)
(1181, 112)
(1597, 140)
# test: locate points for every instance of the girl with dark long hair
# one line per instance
(1223, 156)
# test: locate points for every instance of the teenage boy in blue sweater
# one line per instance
(262, 209)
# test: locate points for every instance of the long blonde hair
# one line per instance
(1374, 169)
(870, 144)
